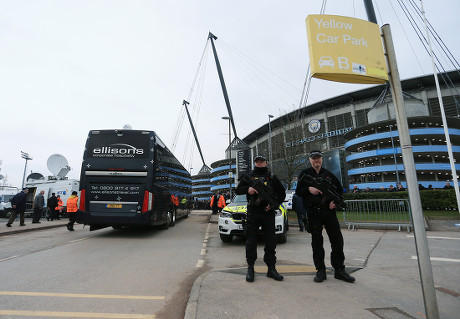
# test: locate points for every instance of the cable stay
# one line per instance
(180, 121)
(439, 66)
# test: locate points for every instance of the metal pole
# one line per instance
(26, 157)
(394, 154)
(24, 175)
(270, 157)
(230, 174)
(443, 115)
(370, 11)
(421, 243)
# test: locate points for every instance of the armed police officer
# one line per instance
(321, 204)
(261, 213)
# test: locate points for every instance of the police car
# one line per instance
(232, 216)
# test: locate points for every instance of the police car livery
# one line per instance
(233, 216)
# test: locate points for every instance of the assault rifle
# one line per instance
(263, 191)
(328, 190)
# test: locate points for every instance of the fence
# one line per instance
(378, 213)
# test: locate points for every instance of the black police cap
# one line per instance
(260, 157)
(315, 153)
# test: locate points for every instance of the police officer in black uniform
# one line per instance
(321, 213)
(260, 213)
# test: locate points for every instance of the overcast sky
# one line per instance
(67, 67)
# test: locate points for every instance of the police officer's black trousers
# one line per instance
(327, 218)
(267, 221)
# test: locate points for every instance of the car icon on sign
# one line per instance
(326, 61)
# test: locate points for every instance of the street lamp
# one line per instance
(394, 155)
(230, 175)
(27, 158)
(270, 139)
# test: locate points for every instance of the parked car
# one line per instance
(5, 205)
(232, 216)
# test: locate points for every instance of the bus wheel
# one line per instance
(173, 219)
(168, 221)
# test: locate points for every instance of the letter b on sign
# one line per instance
(343, 62)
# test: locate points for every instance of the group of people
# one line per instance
(320, 212)
(54, 204)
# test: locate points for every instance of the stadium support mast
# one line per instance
(185, 103)
(212, 37)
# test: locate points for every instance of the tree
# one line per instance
(289, 156)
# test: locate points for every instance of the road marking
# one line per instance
(440, 259)
(203, 252)
(8, 258)
(73, 314)
(200, 263)
(436, 237)
(84, 238)
(54, 294)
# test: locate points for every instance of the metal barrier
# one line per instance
(378, 213)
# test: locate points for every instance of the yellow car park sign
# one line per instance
(344, 49)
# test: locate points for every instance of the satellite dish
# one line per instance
(35, 177)
(58, 165)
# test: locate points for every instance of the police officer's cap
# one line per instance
(315, 153)
(260, 158)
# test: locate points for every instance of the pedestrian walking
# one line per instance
(321, 213)
(52, 203)
(18, 203)
(39, 203)
(261, 214)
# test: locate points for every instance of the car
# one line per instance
(232, 216)
(5, 205)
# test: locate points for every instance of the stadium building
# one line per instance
(358, 135)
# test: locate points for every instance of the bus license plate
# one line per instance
(114, 205)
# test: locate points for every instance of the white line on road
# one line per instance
(8, 258)
(60, 314)
(84, 238)
(440, 259)
(200, 263)
(436, 237)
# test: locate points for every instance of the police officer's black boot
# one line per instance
(272, 273)
(320, 275)
(342, 275)
(250, 274)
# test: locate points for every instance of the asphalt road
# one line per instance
(187, 271)
(128, 273)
